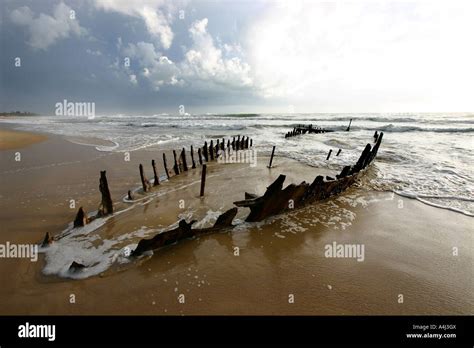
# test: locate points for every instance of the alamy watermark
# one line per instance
(354, 251)
(67, 108)
(28, 330)
(241, 156)
(11, 250)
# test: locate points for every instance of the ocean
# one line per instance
(424, 156)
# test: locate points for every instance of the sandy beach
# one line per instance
(408, 245)
(10, 139)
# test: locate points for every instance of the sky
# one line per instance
(153, 56)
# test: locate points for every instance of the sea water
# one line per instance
(424, 156)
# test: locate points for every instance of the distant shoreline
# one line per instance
(17, 114)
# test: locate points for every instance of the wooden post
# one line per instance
(338, 152)
(237, 143)
(183, 159)
(144, 180)
(271, 158)
(155, 176)
(329, 154)
(223, 144)
(129, 195)
(175, 167)
(233, 143)
(251, 142)
(218, 146)
(349, 127)
(47, 240)
(228, 144)
(211, 150)
(106, 206)
(192, 157)
(344, 172)
(166, 166)
(200, 156)
(81, 218)
(203, 179)
(206, 155)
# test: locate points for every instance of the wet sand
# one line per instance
(10, 139)
(408, 245)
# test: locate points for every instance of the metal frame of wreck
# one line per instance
(274, 201)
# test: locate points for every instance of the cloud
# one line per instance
(203, 66)
(356, 53)
(93, 53)
(45, 30)
(133, 79)
(159, 70)
(155, 13)
(205, 61)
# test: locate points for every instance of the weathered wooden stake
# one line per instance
(349, 127)
(228, 144)
(106, 206)
(329, 154)
(200, 156)
(175, 167)
(47, 240)
(183, 160)
(233, 143)
(206, 155)
(223, 144)
(145, 183)
(81, 218)
(129, 195)
(203, 179)
(156, 181)
(166, 166)
(251, 142)
(271, 158)
(192, 157)
(338, 152)
(211, 150)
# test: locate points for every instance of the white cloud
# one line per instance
(155, 13)
(45, 30)
(155, 67)
(93, 53)
(203, 67)
(364, 54)
(205, 61)
(133, 79)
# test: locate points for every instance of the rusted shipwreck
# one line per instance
(310, 129)
(306, 129)
(276, 200)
